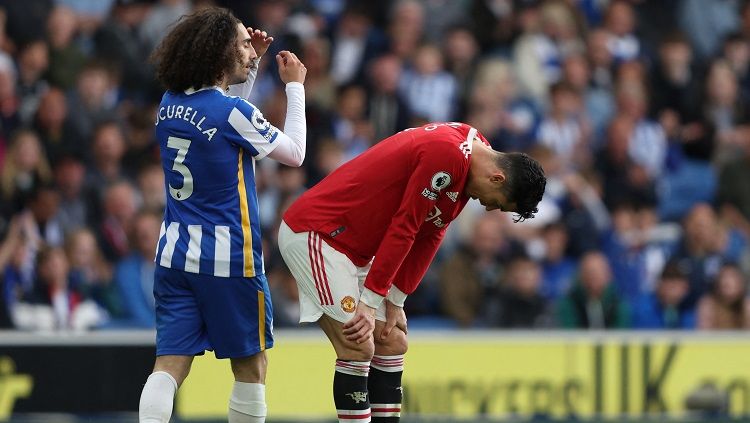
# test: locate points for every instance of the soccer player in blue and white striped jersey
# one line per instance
(209, 285)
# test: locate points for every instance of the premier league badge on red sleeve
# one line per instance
(440, 180)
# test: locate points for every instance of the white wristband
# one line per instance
(396, 296)
(371, 298)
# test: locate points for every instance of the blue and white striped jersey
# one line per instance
(209, 142)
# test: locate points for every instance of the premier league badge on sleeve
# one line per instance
(262, 125)
(440, 180)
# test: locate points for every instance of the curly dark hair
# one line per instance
(524, 183)
(198, 50)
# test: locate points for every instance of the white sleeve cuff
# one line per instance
(371, 298)
(396, 296)
(295, 86)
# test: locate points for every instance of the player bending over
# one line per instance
(361, 240)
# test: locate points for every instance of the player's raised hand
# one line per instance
(394, 318)
(260, 40)
(362, 324)
(291, 68)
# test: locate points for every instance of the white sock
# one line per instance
(157, 398)
(247, 404)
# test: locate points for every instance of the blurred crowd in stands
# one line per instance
(638, 110)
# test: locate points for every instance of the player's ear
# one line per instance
(497, 177)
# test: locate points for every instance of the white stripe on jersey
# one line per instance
(193, 256)
(250, 132)
(173, 234)
(222, 251)
(162, 231)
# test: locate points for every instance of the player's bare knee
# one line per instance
(250, 369)
(177, 366)
(395, 344)
(358, 352)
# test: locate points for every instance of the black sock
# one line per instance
(350, 391)
(384, 384)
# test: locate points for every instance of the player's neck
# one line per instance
(223, 83)
(481, 164)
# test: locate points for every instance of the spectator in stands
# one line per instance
(624, 180)
(598, 103)
(726, 306)
(498, 109)
(602, 62)
(620, 23)
(119, 206)
(565, 129)
(117, 43)
(355, 41)
(675, 86)
(10, 101)
(707, 26)
(33, 60)
(519, 303)
(479, 267)
(736, 51)
(647, 142)
(141, 148)
(75, 202)
(25, 168)
(461, 51)
(593, 303)
(350, 126)
(94, 99)
(56, 304)
(387, 110)
(11, 253)
(43, 205)
(429, 90)
(56, 131)
(66, 59)
(724, 108)
(320, 89)
(539, 50)
(157, 21)
(733, 191)
(702, 249)
(90, 274)
(558, 269)
(666, 308)
(150, 181)
(406, 28)
(134, 274)
(108, 149)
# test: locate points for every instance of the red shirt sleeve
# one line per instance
(415, 264)
(418, 201)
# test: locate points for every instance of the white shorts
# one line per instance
(327, 280)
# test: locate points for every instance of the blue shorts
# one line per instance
(231, 316)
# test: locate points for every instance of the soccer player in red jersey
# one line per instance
(361, 240)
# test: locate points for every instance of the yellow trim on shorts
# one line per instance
(262, 319)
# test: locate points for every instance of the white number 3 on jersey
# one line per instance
(181, 145)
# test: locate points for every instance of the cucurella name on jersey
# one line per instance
(188, 114)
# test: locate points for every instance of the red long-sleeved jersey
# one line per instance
(393, 202)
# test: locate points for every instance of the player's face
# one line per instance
(247, 55)
(489, 193)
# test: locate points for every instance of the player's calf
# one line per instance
(384, 382)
